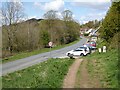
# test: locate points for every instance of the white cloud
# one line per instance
(1, 17)
(59, 15)
(17, 2)
(83, 22)
(36, 17)
(32, 17)
(93, 4)
(89, 0)
(73, 16)
(0, 14)
(92, 16)
(56, 5)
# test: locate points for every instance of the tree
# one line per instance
(44, 37)
(71, 27)
(12, 13)
(51, 17)
(67, 15)
(111, 23)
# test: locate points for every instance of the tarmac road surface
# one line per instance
(35, 59)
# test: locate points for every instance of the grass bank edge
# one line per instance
(106, 67)
(35, 52)
(48, 74)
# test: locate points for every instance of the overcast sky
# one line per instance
(83, 10)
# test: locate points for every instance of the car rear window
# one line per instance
(92, 42)
(78, 49)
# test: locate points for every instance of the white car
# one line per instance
(87, 49)
(77, 52)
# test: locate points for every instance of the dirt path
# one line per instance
(84, 80)
(70, 78)
(81, 80)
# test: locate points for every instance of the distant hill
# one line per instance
(33, 20)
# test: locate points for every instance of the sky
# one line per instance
(83, 10)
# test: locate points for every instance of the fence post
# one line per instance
(104, 49)
(99, 49)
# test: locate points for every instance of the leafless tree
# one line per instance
(67, 15)
(12, 13)
(51, 17)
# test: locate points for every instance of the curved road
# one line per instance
(29, 61)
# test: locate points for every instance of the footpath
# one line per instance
(72, 80)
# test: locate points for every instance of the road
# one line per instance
(32, 60)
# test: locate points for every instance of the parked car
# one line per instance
(87, 49)
(77, 52)
(92, 43)
(91, 47)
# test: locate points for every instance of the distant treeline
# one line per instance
(91, 24)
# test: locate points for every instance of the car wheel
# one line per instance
(71, 55)
(81, 54)
(68, 54)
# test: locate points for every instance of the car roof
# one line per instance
(80, 48)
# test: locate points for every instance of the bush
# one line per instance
(114, 41)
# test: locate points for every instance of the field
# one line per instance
(48, 74)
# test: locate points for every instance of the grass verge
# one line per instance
(48, 74)
(27, 54)
(105, 67)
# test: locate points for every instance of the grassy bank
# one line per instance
(105, 67)
(48, 74)
(27, 54)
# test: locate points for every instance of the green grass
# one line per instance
(105, 67)
(48, 74)
(78, 79)
(0, 83)
(27, 54)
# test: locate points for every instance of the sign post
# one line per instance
(50, 44)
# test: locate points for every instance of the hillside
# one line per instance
(35, 34)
